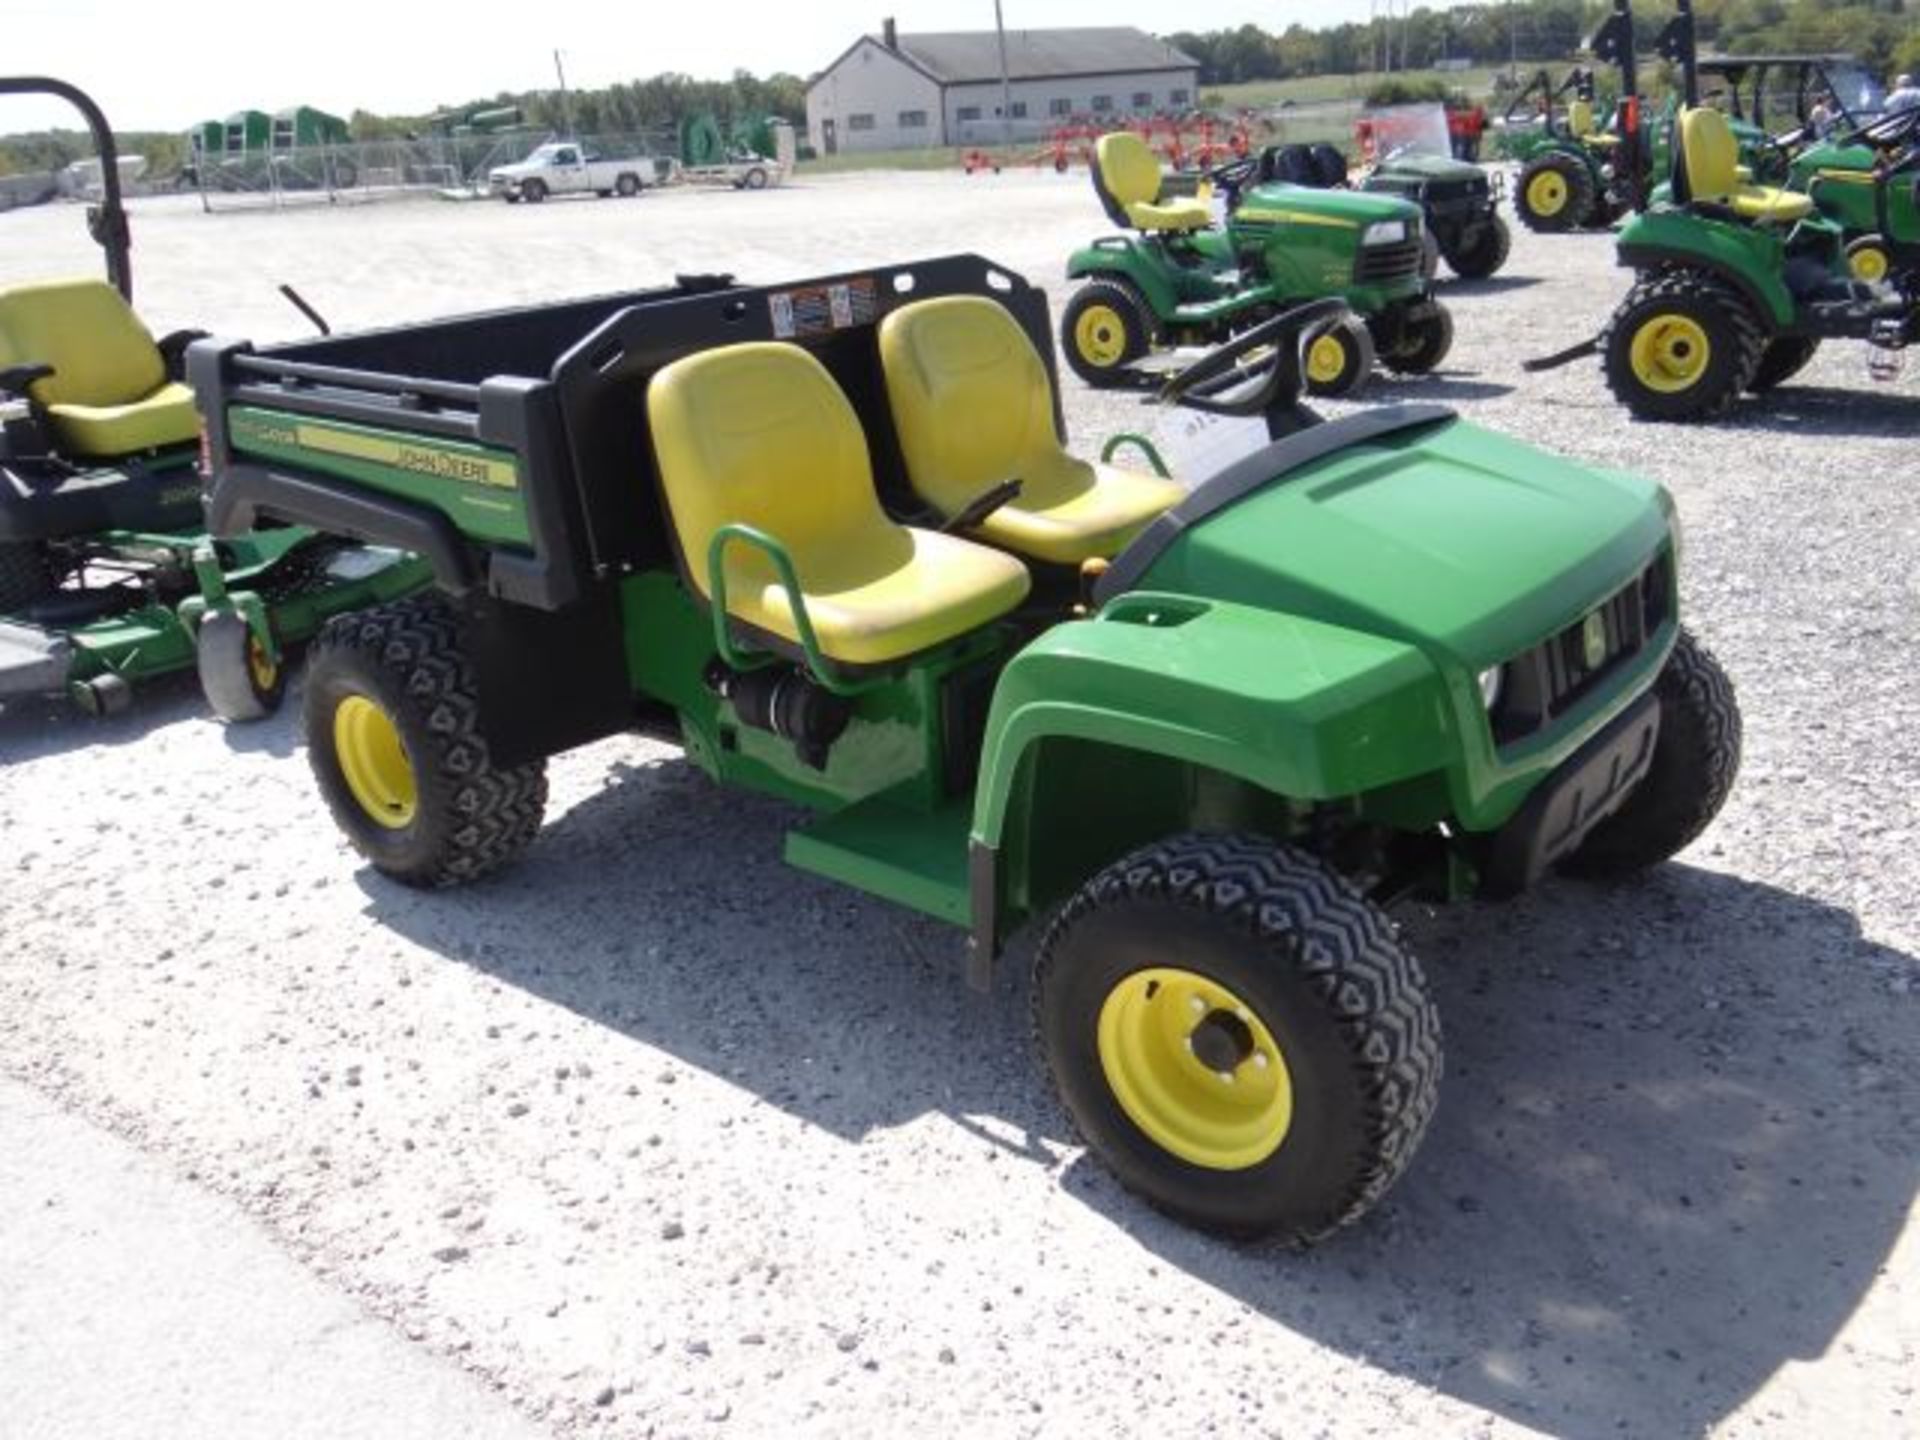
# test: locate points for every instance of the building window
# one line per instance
(913, 119)
(859, 122)
(1059, 107)
(967, 112)
(1143, 99)
(1102, 104)
(1018, 110)
(1177, 97)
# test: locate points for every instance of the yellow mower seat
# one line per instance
(109, 394)
(1130, 175)
(974, 409)
(759, 434)
(1709, 156)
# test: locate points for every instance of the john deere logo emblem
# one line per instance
(1593, 640)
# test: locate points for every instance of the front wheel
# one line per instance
(533, 191)
(1694, 764)
(1104, 329)
(1485, 254)
(1682, 346)
(1867, 259)
(1239, 1035)
(239, 673)
(1337, 359)
(1425, 339)
(392, 715)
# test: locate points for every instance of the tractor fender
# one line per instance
(1750, 261)
(1166, 712)
(1124, 258)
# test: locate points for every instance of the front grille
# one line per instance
(1541, 684)
(1379, 263)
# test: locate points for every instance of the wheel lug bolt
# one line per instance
(1259, 1059)
(1197, 1005)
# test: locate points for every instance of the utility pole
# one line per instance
(566, 100)
(1006, 87)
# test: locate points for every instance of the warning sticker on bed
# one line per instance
(821, 309)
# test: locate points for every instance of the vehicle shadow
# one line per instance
(1678, 1137)
(1864, 413)
(35, 728)
(1440, 385)
(1489, 285)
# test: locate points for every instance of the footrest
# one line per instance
(913, 857)
(33, 661)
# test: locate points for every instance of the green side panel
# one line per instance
(1150, 273)
(1309, 240)
(476, 486)
(1755, 253)
(137, 645)
(898, 852)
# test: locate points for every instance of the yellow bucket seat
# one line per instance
(1128, 175)
(1708, 157)
(108, 394)
(758, 434)
(974, 409)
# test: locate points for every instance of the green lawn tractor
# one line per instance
(1570, 172)
(826, 537)
(1846, 175)
(1774, 103)
(107, 576)
(1175, 279)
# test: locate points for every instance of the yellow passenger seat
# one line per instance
(974, 409)
(759, 434)
(109, 394)
(1127, 175)
(1708, 158)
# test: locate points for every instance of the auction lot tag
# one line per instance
(1195, 444)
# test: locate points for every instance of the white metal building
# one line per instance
(899, 92)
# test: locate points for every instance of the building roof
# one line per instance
(960, 57)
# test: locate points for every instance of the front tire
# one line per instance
(1210, 956)
(1868, 259)
(533, 191)
(392, 715)
(1694, 764)
(1555, 193)
(1425, 339)
(1104, 329)
(1337, 359)
(1682, 346)
(239, 673)
(1485, 255)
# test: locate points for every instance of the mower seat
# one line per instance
(108, 394)
(759, 434)
(974, 409)
(1127, 176)
(1706, 168)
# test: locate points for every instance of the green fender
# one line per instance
(1165, 712)
(1126, 259)
(1751, 257)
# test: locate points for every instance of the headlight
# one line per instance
(1490, 685)
(1384, 232)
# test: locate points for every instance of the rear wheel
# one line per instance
(392, 715)
(1783, 358)
(627, 186)
(1868, 260)
(1555, 192)
(1682, 346)
(238, 672)
(1104, 329)
(26, 575)
(1238, 1034)
(1337, 359)
(1486, 254)
(1426, 337)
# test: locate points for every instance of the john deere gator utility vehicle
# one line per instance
(1175, 279)
(826, 537)
(106, 574)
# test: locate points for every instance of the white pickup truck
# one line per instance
(565, 167)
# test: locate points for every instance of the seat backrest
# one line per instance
(1290, 164)
(1126, 171)
(1706, 154)
(972, 402)
(100, 352)
(1330, 165)
(759, 434)
(1579, 118)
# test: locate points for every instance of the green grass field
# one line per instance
(1311, 89)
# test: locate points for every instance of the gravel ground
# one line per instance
(659, 1137)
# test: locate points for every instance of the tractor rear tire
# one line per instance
(1485, 255)
(1682, 346)
(1555, 193)
(1104, 328)
(1784, 358)
(392, 715)
(1695, 761)
(1426, 337)
(238, 674)
(1337, 359)
(26, 575)
(1205, 960)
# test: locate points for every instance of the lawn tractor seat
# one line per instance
(1706, 171)
(106, 391)
(1582, 126)
(974, 410)
(1126, 176)
(758, 434)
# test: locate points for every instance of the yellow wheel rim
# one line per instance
(1547, 193)
(261, 665)
(1100, 334)
(1670, 353)
(374, 763)
(1195, 1068)
(1326, 359)
(1868, 262)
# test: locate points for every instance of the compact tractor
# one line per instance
(1174, 278)
(1200, 731)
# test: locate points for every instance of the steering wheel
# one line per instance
(1216, 382)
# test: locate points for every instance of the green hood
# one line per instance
(1425, 167)
(1351, 208)
(1451, 537)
